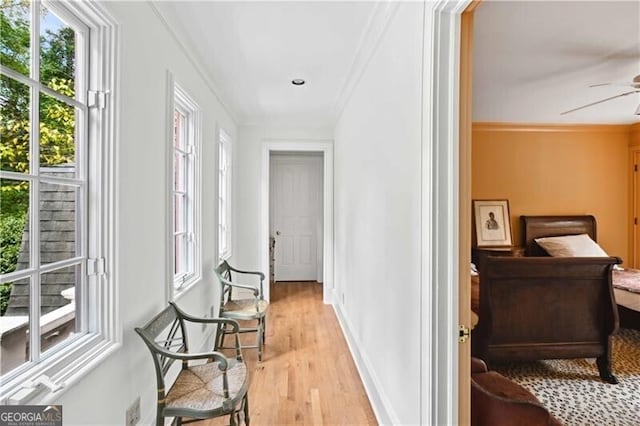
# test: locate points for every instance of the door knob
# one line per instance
(277, 232)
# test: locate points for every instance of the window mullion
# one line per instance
(84, 212)
(34, 190)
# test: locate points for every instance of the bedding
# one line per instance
(627, 279)
(580, 245)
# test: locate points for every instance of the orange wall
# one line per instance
(634, 140)
(555, 170)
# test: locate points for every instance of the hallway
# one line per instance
(307, 375)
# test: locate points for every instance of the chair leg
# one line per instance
(260, 340)
(220, 337)
(246, 409)
(232, 418)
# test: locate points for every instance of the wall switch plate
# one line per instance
(133, 413)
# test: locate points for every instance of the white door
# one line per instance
(296, 213)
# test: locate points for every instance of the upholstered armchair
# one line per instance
(498, 401)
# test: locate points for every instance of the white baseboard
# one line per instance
(385, 414)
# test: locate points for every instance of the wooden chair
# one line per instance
(243, 309)
(201, 390)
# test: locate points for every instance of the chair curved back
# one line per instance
(175, 340)
(222, 382)
(223, 272)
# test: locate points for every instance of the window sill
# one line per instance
(186, 287)
(65, 369)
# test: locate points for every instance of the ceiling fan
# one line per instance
(635, 84)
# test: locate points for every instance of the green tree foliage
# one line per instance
(56, 124)
(57, 65)
(11, 229)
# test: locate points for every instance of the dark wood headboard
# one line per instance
(552, 226)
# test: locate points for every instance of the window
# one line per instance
(56, 129)
(185, 153)
(224, 196)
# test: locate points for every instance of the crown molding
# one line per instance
(550, 127)
(376, 26)
(187, 50)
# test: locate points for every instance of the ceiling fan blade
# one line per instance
(619, 83)
(600, 101)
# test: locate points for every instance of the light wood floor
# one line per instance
(307, 375)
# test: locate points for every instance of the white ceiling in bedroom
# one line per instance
(536, 59)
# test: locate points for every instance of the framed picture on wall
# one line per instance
(492, 223)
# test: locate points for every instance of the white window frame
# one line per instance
(225, 176)
(180, 101)
(43, 379)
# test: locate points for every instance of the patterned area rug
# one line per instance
(574, 393)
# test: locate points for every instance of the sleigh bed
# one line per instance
(542, 307)
(625, 282)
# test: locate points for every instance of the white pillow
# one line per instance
(571, 246)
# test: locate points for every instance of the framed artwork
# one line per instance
(492, 223)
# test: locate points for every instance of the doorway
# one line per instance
(323, 149)
(295, 216)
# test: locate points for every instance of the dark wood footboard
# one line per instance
(629, 318)
(544, 308)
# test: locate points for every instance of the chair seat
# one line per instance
(244, 309)
(199, 388)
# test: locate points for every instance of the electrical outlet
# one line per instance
(133, 413)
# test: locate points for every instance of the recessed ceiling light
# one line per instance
(298, 82)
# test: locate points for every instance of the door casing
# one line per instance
(635, 187)
(325, 147)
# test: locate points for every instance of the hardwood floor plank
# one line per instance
(316, 409)
(307, 375)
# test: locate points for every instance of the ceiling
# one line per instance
(532, 60)
(252, 51)
(536, 59)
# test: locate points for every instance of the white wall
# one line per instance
(377, 219)
(247, 163)
(148, 51)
